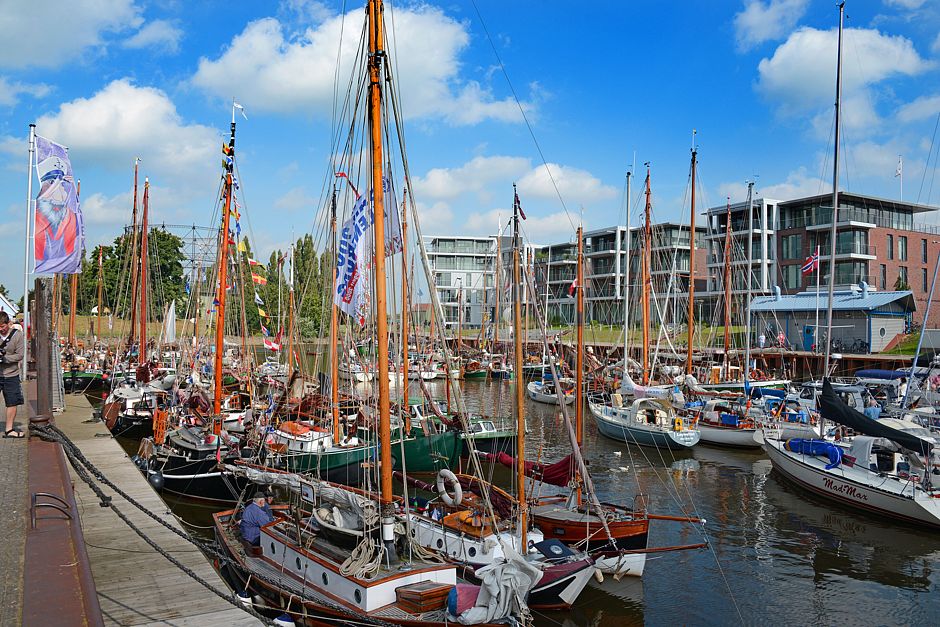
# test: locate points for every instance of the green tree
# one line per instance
(901, 285)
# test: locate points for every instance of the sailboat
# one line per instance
(883, 471)
(309, 571)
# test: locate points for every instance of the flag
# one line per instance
(261, 313)
(518, 204)
(252, 262)
(264, 331)
(242, 248)
(571, 288)
(234, 182)
(271, 346)
(352, 295)
(240, 108)
(228, 162)
(257, 278)
(258, 300)
(811, 263)
(900, 167)
(215, 301)
(59, 231)
(238, 230)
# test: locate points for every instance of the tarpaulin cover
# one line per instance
(817, 447)
(559, 473)
(760, 392)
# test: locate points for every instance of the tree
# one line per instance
(901, 285)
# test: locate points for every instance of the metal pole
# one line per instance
(29, 223)
(747, 277)
(920, 340)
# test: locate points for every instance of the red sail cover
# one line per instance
(559, 473)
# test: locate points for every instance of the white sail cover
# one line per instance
(169, 330)
(503, 587)
(631, 388)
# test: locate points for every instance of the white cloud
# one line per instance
(295, 198)
(550, 229)
(798, 184)
(123, 120)
(921, 108)
(473, 176)
(575, 186)
(800, 76)
(436, 219)
(869, 159)
(162, 35)
(11, 91)
(286, 72)
(65, 30)
(905, 4)
(760, 22)
(100, 209)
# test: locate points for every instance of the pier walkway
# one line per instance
(94, 569)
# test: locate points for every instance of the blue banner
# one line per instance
(59, 233)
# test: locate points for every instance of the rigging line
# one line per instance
(933, 140)
(524, 116)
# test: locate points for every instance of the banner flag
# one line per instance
(59, 231)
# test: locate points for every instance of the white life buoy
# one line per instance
(444, 478)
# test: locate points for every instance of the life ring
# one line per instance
(444, 478)
(677, 424)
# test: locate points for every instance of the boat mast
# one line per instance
(579, 357)
(142, 355)
(626, 283)
(56, 281)
(647, 281)
(134, 261)
(100, 285)
(748, 276)
(727, 286)
(290, 315)
(404, 297)
(835, 202)
(518, 379)
(334, 355)
(498, 285)
(376, 56)
(691, 316)
(220, 293)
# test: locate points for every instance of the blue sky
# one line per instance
(600, 83)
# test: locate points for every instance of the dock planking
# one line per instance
(135, 584)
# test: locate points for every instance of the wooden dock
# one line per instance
(135, 584)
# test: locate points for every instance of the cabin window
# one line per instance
(326, 580)
(358, 595)
(273, 549)
(297, 562)
(471, 551)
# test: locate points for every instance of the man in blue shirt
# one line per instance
(873, 410)
(256, 515)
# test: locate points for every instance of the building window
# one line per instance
(902, 278)
(890, 246)
(792, 246)
(923, 251)
(923, 279)
(883, 278)
(902, 248)
(791, 277)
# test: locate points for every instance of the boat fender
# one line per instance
(677, 424)
(243, 597)
(444, 478)
(156, 480)
(284, 620)
(598, 575)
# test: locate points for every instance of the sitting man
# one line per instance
(256, 515)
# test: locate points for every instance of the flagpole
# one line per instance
(29, 222)
(818, 285)
(901, 177)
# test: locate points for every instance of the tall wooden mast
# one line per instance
(134, 260)
(579, 355)
(404, 297)
(290, 317)
(142, 356)
(498, 286)
(334, 355)
(100, 286)
(727, 286)
(691, 316)
(518, 379)
(376, 58)
(220, 293)
(645, 275)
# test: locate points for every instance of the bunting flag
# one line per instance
(233, 211)
(228, 162)
(252, 262)
(571, 288)
(242, 248)
(59, 232)
(258, 300)
(241, 110)
(238, 230)
(186, 287)
(215, 301)
(257, 278)
(234, 182)
(226, 150)
(264, 331)
(271, 346)
(518, 204)
(261, 313)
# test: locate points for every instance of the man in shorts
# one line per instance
(11, 354)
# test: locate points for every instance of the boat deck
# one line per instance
(135, 584)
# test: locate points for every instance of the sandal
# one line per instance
(14, 434)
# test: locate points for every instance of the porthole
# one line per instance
(326, 580)
(413, 533)
(358, 596)
(882, 332)
(472, 551)
(273, 549)
(440, 543)
(297, 561)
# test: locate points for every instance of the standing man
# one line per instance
(11, 354)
